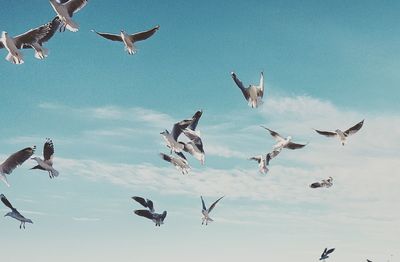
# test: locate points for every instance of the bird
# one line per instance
(129, 40)
(369, 260)
(325, 254)
(149, 213)
(206, 218)
(65, 9)
(253, 94)
(172, 138)
(47, 162)
(263, 160)
(179, 162)
(33, 38)
(324, 183)
(14, 161)
(14, 212)
(195, 145)
(342, 135)
(283, 142)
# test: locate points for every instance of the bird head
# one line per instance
(289, 138)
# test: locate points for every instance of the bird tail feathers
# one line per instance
(4, 179)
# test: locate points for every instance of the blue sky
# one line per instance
(326, 65)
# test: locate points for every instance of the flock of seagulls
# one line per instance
(192, 143)
(64, 9)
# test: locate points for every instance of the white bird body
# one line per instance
(206, 211)
(171, 142)
(192, 149)
(46, 165)
(64, 16)
(14, 55)
(129, 47)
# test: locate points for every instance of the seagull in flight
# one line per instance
(325, 254)
(14, 212)
(65, 9)
(263, 160)
(14, 161)
(179, 162)
(253, 94)
(47, 162)
(324, 183)
(149, 213)
(206, 218)
(283, 142)
(195, 145)
(33, 38)
(342, 135)
(129, 40)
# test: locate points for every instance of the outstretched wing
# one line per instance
(329, 251)
(326, 133)
(17, 159)
(260, 88)
(163, 216)
(6, 202)
(213, 205)
(144, 213)
(195, 120)
(256, 158)
(274, 134)
(74, 6)
(37, 35)
(166, 157)
(178, 128)
(144, 35)
(109, 36)
(202, 202)
(354, 129)
(293, 146)
(48, 149)
(240, 85)
(1, 45)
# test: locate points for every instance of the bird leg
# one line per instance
(24, 225)
(20, 225)
(50, 175)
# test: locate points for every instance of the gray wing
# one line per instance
(202, 202)
(324, 253)
(144, 35)
(144, 213)
(38, 35)
(274, 134)
(166, 157)
(240, 85)
(6, 202)
(17, 159)
(354, 129)
(194, 138)
(74, 6)
(150, 205)
(178, 128)
(108, 36)
(1, 45)
(330, 251)
(271, 155)
(48, 149)
(140, 200)
(293, 146)
(315, 185)
(181, 155)
(213, 205)
(195, 120)
(326, 133)
(163, 216)
(256, 158)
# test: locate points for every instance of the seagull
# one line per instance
(253, 94)
(263, 161)
(33, 38)
(14, 212)
(283, 142)
(206, 211)
(369, 260)
(172, 138)
(158, 219)
(65, 9)
(47, 162)
(324, 183)
(325, 254)
(340, 134)
(14, 161)
(195, 145)
(129, 40)
(179, 162)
